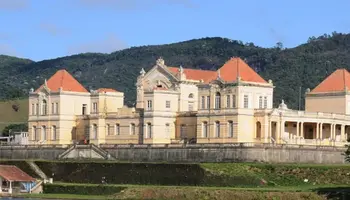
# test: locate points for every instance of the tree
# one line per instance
(14, 127)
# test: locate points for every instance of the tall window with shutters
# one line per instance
(228, 101)
(203, 102)
(260, 102)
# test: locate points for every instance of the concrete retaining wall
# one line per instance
(183, 154)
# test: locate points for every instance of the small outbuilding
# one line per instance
(14, 180)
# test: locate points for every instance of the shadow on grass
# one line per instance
(334, 193)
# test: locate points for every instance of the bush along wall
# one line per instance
(142, 174)
(82, 189)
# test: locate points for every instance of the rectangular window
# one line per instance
(246, 101)
(265, 102)
(56, 108)
(260, 102)
(94, 107)
(37, 109)
(203, 102)
(94, 131)
(217, 129)
(108, 129)
(233, 101)
(230, 129)
(52, 108)
(83, 112)
(208, 102)
(205, 129)
(117, 129)
(33, 109)
(228, 101)
(167, 104)
(149, 105)
(86, 132)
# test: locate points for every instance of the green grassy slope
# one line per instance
(9, 116)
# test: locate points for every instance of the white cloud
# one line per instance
(53, 29)
(106, 45)
(12, 5)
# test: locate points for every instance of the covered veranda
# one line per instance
(14, 180)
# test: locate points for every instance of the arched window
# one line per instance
(149, 130)
(53, 133)
(44, 107)
(205, 129)
(35, 134)
(43, 133)
(191, 96)
(217, 100)
(132, 129)
(167, 129)
(217, 129)
(117, 129)
(230, 129)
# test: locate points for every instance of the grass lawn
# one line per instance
(187, 193)
(65, 196)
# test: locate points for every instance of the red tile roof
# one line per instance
(237, 67)
(336, 82)
(228, 72)
(103, 90)
(65, 80)
(196, 74)
(13, 173)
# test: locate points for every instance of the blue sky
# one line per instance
(45, 29)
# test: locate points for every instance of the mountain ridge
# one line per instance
(303, 66)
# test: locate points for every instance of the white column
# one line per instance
(10, 189)
(342, 133)
(0, 185)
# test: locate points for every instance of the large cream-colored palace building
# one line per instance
(230, 105)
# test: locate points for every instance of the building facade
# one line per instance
(175, 105)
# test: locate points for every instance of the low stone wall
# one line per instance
(227, 153)
(31, 152)
(193, 153)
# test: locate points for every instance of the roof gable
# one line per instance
(236, 67)
(338, 81)
(63, 79)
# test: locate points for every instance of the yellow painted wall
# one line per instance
(327, 104)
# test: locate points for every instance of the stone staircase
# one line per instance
(88, 152)
(37, 170)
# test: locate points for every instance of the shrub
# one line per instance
(82, 189)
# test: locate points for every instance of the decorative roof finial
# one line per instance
(219, 74)
(31, 90)
(160, 61)
(142, 72)
(181, 70)
(45, 82)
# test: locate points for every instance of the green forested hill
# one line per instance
(304, 66)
